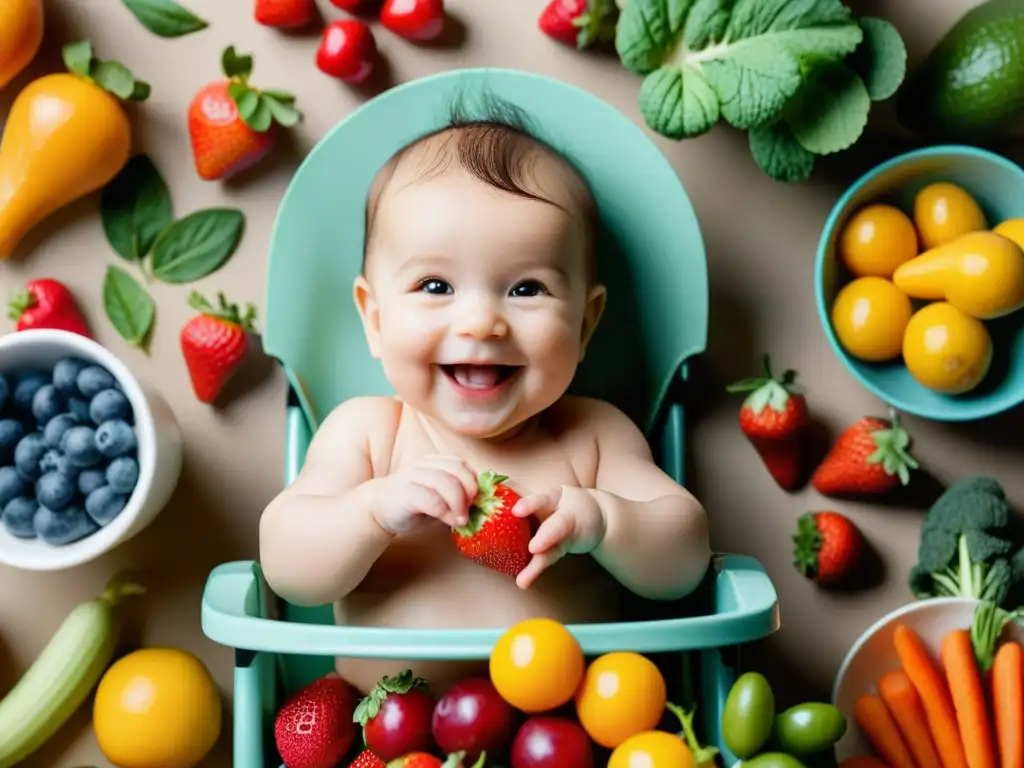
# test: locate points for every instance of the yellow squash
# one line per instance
(980, 273)
(21, 34)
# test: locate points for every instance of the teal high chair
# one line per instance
(651, 257)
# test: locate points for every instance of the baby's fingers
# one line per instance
(460, 470)
(537, 565)
(551, 533)
(455, 508)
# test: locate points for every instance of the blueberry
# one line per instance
(27, 453)
(65, 375)
(55, 491)
(19, 517)
(26, 388)
(11, 431)
(104, 504)
(55, 460)
(92, 380)
(55, 429)
(115, 438)
(123, 474)
(62, 528)
(109, 404)
(5, 391)
(91, 479)
(47, 403)
(11, 485)
(79, 444)
(79, 409)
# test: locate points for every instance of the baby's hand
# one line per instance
(440, 487)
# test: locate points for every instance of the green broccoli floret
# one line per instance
(966, 543)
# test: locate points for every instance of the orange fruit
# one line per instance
(21, 33)
(157, 706)
(869, 316)
(537, 665)
(876, 240)
(943, 212)
(622, 694)
(652, 749)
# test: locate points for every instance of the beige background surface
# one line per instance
(761, 239)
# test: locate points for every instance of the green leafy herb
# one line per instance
(829, 113)
(112, 76)
(165, 17)
(197, 245)
(128, 306)
(777, 152)
(260, 110)
(78, 57)
(881, 60)
(135, 208)
(678, 102)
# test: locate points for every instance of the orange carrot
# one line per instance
(1008, 704)
(880, 729)
(862, 761)
(931, 687)
(968, 699)
(901, 698)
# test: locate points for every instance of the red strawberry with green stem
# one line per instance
(871, 457)
(232, 125)
(774, 419)
(47, 303)
(214, 343)
(366, 759)
(494, 537)
(396, 716)
(827, 547)
(579, 23)
(426, 760)
(284, 14)
(314, 729)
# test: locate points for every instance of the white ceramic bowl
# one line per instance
(874, 654)
(159, 450)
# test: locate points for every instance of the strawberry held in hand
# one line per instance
(315, 729)
(214, 344)
(284, 14)
(579, 23)
(233, 126)
(494, 537)
(47, 303)
(870, 458)
(827, 547)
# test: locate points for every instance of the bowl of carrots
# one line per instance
(937, 683)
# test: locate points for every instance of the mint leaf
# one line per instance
(754, 81)
(114, 77)
(648, 31)
(197, 245)
(128, 307)
(753, 18)
(706, 23)
(165, 18)
(135, 208)
(881, 59)
(678, 102)
(78, 57)
(829, 113)
(777, 152)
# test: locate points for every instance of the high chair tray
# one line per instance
(237, 602)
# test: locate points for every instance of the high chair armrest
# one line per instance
(236, 600)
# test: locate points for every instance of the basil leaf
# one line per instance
(129, 308)
(114, 77)
(78, 57)
(135, 208)
(197, 245)
(165, 17)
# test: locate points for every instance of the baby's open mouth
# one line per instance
(480, 376)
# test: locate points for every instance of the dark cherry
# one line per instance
(472, 717)
(552, 742)
(402, 725)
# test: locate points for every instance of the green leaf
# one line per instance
(281, 96)
(648, 31)
(197, 245)
(829, 113)
(247, 104)
(165, 17)
(678, 102)
(282, 113)
(234, 64)
(114, 77)
(141, 92)
(706, 23)
(78, 57)
(261, 118)
(881, 59)
(777, 152)
(128, 306)
(135, 208)
(754, 82)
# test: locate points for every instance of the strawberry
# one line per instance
(870, 457)
(579, 23)
(233, 126)
(494, 537)
(47, 303)
(366, 759)
(351, 6)
(827, 547)
(347, 51)
(314, 729)
(214, 343)
(284, 14)
(426, 760)
(774, 419)
(416, 20)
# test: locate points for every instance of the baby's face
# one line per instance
(477, 302)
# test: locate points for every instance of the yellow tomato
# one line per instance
(622, 694)
(943, 212)
(537, 665)
(157, 707)
(947, 350)
(1012, 229)
(869, 316)
(876, 240)
(653, 749)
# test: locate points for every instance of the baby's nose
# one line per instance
(481, 319)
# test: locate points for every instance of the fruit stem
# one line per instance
(702, 756)
(119, 587)
(20, 301)
(227, 312)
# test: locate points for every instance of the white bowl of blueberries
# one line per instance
(89, 455)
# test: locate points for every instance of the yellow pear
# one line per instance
(980, 273)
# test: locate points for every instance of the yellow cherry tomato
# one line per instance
(947, 350)
(157, 706)
(537, 665)
(876, 240)
(943, 212)
(622, 694)
(1012, 229)
(869, 316)
(654, 749)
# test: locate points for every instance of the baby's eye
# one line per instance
(528, 288)
(435, 286)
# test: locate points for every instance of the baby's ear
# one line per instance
(596, 300)
(369, 312)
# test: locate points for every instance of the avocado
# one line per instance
(971, 85)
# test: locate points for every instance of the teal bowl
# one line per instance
(998, 186)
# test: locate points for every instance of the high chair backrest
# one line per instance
(651, 253)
